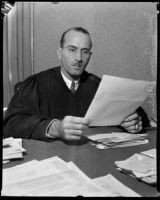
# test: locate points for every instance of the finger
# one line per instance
(130, 123)
(131, 117)
(130, 128)
(73, 132)
(140, 123)
(80, 120)
(78, 126)
(74, 126)
(136, 128)
(140, 127)
(133, 131)
(72, 137)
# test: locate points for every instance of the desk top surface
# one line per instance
(92, 161)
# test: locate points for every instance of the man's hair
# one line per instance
(78, 29)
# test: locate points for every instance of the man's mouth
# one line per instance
(77, 66)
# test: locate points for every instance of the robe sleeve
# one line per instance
(23, 118)
(145, 119)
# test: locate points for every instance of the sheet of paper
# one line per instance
(152, 180)
(116, 136)
(65, 183)
(75, 168)
(141, 175)
(138, 163)
(151, 153)
(149, 177)
(13, 156)
(20, 166)
(7, 141)
(126, 144)
(34, 170)
(61, 180)
(140, 166)
(111, 184)
(12, 148)
(116, 98)
(117, 139)
(6, 161)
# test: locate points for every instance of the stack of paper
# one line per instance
(12, 149)
(54, 177)
(142, 166)
(117, 139)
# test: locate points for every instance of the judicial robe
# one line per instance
(44, 97)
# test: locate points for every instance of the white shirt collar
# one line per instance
(69, 82)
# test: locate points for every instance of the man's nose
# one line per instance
(79, 56)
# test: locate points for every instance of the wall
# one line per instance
(124, 38)
(17, 47)
(123, 34)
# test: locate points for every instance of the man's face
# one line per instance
(75, 54)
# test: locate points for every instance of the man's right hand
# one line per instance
(73, 127)
(69, 129)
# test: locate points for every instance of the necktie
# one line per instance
(73, 87)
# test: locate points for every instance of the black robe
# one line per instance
(44, 97)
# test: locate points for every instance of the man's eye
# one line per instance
(72, 50)
(85, 52)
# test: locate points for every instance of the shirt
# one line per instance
(69, 82)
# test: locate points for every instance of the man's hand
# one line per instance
(132, 123)
(72, 128)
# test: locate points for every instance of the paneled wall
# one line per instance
(124, 37)
(17, 47)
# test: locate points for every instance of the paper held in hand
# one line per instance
(116, 98)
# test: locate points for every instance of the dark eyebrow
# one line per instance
(86, 49)
(72, 46)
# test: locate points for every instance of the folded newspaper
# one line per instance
(117, 139)
(12, 149)
(141, 166)
(55, 177)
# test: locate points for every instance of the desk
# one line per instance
(92, 161)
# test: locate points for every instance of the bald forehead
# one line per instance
(73, 36)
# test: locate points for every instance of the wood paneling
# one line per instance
(17, 51)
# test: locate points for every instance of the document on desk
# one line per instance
(32, 171)
(12, 148)
(151, 153)
(50, 177)
(140, 166)
(109, 183)
(116, 98)
(117, 139)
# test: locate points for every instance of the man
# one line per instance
(44, 106)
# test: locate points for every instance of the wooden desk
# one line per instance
(92, 161)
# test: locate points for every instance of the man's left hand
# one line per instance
(132, 123)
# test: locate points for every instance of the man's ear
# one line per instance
(59, 52)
